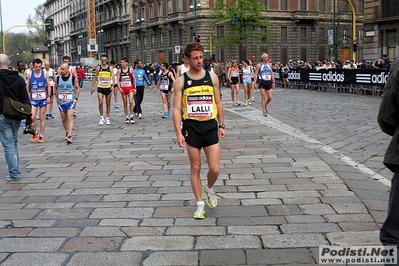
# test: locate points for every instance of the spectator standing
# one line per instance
(81, 76)
(13, 86)
(388, 119)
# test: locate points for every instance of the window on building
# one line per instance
(160, 40)
(220, 31)
(304, 35)
(180, 36)
(322, 52)
(136, 15)
(170, 40)
(322, 5)
(151, 11)
(160, 13)
(322, 35)
(137, 42)
(303, 54)
(284, 55)
(283, 4)
(170, 7)
(179, 5)
(142, 14)
(303, 4)
(152, 40)
(284, 35)
(263, 34)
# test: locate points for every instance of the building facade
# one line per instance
(157, 30)
(381, 29)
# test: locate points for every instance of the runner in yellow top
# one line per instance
(197, 96)
(104, 77)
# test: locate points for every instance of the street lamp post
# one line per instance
(141, 36)
(80, 46)
(100, 32)
(195, 6)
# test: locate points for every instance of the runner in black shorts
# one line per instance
(265, 74)
(200, 134)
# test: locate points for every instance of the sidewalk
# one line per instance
(121, 195)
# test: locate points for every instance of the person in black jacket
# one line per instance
(388, 119)
(13, 86)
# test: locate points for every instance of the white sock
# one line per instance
(200, 203)
(209, 189)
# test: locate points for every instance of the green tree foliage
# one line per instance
(38, 32)
(250, 20)
(19, 47)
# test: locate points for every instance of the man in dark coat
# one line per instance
(388, 119)
(13, 86)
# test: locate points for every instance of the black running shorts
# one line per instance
(200, 134)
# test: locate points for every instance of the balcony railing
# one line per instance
(386, 11)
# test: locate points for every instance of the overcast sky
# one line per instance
(16, 12)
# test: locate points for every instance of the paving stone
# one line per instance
(330, 200)
(293, 240)
(51, 232)
(305, 218)
(309, 228)
(288, 194)
(194, 231)
(28, 259)
(336, 218)
(279, 256)
(143, 231)
(195, 222)
(358, 226)
(354, 238)
(101, 232)
(222, 257)
(251, 202)
(252, 230)
(33, 223)
(143, 243)
(105, 258)
(16, 232)
(18, 214)
(283, 210)
(77, 222)
(228, 242)
(81, 244)
(172, 258)
(157, 222)
(43, 244)
(268, 220)
(349, 207)
(64, 213)
(316, 209)
(119, 213)
(118, 222)
(309, 200)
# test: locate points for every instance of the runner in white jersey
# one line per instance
(183, 68)
(72, 71)
(51, 76)
(115, 82)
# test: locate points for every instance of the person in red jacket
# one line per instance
(81, 76)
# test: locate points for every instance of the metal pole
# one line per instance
(334, 55)
(195, 17)
(141, 38)
(1, 21)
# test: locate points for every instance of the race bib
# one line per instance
(164, 87)
(51, 78)
(246, 77)
(200, 106)
(104, 82)
(65, 96)
(39, 95)
(266, 76)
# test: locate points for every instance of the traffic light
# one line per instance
(355, 45)
(213, 57)
(197, 38)
(49, 24)
(234, 20)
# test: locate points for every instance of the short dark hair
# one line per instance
(104, 55)
(66, 57)
(165, 64)
(37, 61)
(137, 61)
(20, 62)
(112, 62)
(125, 59)
(192, 46)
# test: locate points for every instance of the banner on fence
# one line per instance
(344, 76)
